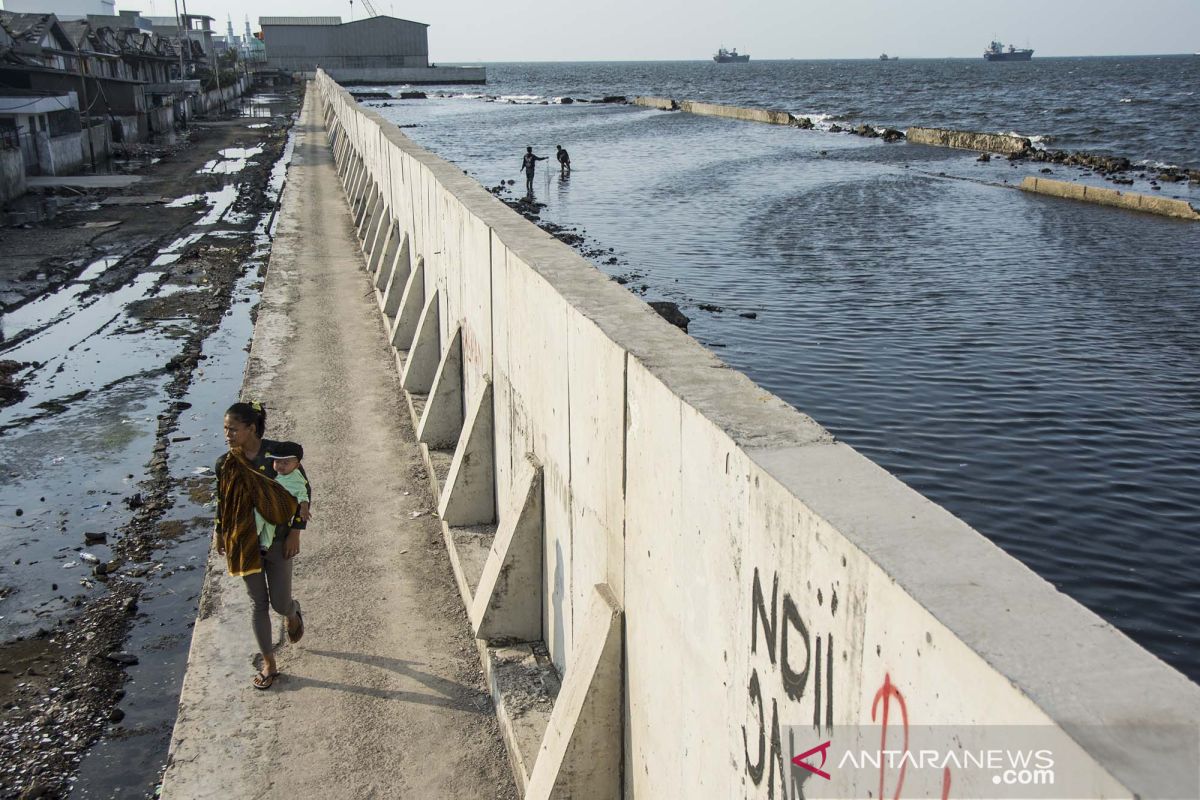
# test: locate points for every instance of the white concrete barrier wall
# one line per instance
(770, 576)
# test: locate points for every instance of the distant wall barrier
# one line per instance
(679, 583)
(1164, 206)
(1002, 143)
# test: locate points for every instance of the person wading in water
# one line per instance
(258, 549)
(529, 164)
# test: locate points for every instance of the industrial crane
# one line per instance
(370, 9)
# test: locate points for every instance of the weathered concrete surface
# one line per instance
(737, 112)
(12, 174)
(968, 140)
(1163, 206)
(661, 103)
(384, 696)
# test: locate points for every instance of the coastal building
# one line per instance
(196, 27)
(374, 50)
(71, 89)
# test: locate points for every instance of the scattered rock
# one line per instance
(95, 537)
(749, 315)
(892, 135)
(671, 313)
(984, 157)
(122, 657)
(710, 307)
(412, 96)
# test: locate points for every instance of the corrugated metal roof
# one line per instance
(299, 20)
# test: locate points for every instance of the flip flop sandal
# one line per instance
(299, 633)
(263, 680)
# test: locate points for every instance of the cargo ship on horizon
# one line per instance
(724, 56)
(996, 52)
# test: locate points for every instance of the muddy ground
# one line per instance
(184, 235)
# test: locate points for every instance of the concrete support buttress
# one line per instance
(370, 214)
(383, 254)
(442, 420)
(581, 754)
(469, 493)
(339, 156)
(410, 308)
(508, 603)
(362, 198)
(378, 232)
(356, 184)
(425, 352)
(397, 279)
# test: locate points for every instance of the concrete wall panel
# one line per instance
(536, 369)
(596, 380)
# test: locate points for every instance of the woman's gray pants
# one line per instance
(272, 587)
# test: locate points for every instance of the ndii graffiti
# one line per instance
(802, 663)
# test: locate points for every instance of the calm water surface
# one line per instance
(1031, 364)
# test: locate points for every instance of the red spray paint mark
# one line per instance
(886, 693)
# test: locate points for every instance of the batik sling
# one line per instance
(240, 490)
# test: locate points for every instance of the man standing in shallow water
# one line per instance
(564, 159)
(529, 164)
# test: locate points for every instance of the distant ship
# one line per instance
(886, 57)
(996, 52)
(724, 56)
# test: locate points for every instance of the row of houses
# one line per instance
(71, 89)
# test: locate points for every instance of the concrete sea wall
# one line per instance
(1001, 143)
(701, 578)
(1163, 206)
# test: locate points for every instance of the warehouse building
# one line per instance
(373, 50)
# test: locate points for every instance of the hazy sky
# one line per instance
(523, 30)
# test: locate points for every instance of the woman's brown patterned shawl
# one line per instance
(240, 490)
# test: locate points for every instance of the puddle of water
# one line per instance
(47, 308)
(184, 242)
(68, 475)
(166, 260)
(218, 203)
(98, 268)
(61, 342)
(40, 312)
(232, 160)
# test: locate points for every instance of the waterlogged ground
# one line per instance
(1029, 363)
(122, 344)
